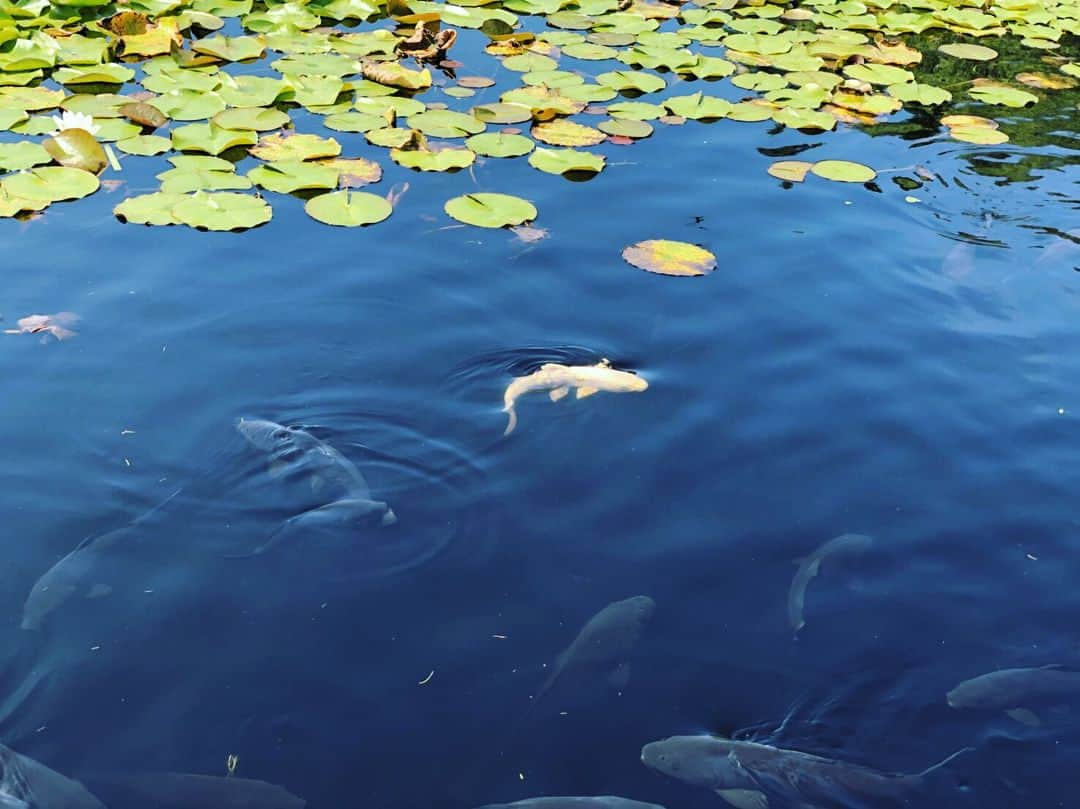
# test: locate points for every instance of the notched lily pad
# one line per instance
(222, 211)
(487, 210)
(348, 209)
(843, 171)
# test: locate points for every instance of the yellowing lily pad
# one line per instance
(997, 93)
(76, 148)
(666, 257)
(52, 184)
(149, 209)
(348, 208)
(567, 133)
(792, 171)
(487, 210)
(295, 147)
(843, 171)
(210, 138)
(22, 155)
(287, 176)
(144, 145)
(447, 159)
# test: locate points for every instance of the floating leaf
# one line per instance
(670, 257)
(632, 80)
(960, 50)
(447, 159)
(287, 176)
(12, 205)
(698, 106)
(396, 75)
(231, 49)
(149, 209)
(792, 171)
(1046, 81)
(22, 155)
(223, 210)
(502, 113)
(499, 144)
(189, 105)
(76, 148)
(98, 74)
(144, 145)
(389, 137)
(627, 128)
(843, 171)
(52, 184)
(982, 135)
(563, 161)
(488, 210)
(348, 208)
(256, 119)
(354, 171)
(567, 133)
(636, 110)
(446, 124)
(201, 173)
(210, 138)
(925, 94)
(295, 147)
(145, 115)
(1003, 94)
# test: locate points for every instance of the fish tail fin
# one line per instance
(945, 762)
(512, 419)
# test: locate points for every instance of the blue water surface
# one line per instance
(858, 362)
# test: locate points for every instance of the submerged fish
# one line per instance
(558, 379)
(170, 790)
(605, 642)
(748, 774)
(597, 802)
(293, 450)
(29, 784)
(1014, 691)
(809, 567)
(74, 573)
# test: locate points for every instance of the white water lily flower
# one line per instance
(75, 120)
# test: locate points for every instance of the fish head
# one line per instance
(642, 608)
(268, 436)
(635, 383)
(978, 693)
(48, 594)
(699, 760)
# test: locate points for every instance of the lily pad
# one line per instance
(447, 159)
(354, 171)
(348, 208)
(666, 257)
(144, 145)
(149, 209)
(22, 155)
(76, 148)
(1002, 94)
(256, 119)
(295, 147)
(222, 211)
(52, 184)
(564, 161)
(961, 50)
(210, 138)
(792, 171)
(499, 144)
(843, 171)
(287, 176)
(446, 124)
(201, 173)
(487, 210)
(567, 133)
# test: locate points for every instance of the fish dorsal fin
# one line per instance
(586, 390)
(604, 363)
(559, 393)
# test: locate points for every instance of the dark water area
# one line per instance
(909, 370)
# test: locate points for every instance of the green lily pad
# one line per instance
(256, 119)
(52, 184)
(201, 173)
(563, 161)
(804, 119)
(389, 137)
(97, 74)
(1002, 94)
(626, 128)
(113, 129)
(144, 145)
(698, 106)
(231, 49)
(380, 106)
(295, 147)
(636, 110)
(348, 209)
(879, 74)
(960, 50)
(924, 94)
(433, 160)
(500, 113)
(843, 171)
(354, 122)
(149, 209)
(446, 124)
(189, 105)
(22, 155)
(210, 138)
(666, 257)
(31, 99)
(528, 62)
(632, 80)
(13, 205)
(222, 211)
(488, 210)
(287, 176)
(499, 144)
(12, 117)
(590, 52)
(250, 91)
(354, 171)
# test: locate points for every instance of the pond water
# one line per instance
(902, 363)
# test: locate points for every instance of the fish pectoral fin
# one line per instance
(744, 798)
(586, 391)
(558, 393)
(1024, 717)
(619, 677)
(99, 591)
